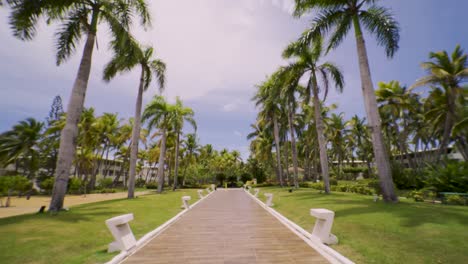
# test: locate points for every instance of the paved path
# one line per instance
(227, 227)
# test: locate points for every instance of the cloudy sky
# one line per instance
(216, 51)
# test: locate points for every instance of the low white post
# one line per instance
(185, 203)
(120, 230)
(249, 188)
(256, 191)
(212, 187)
(323, 225)
(208, 190)
(200, 194)
(269, 201)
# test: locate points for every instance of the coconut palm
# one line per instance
(336, 132)
(267, 97)
(181, 114)
(448, 73)
(78, 18)
(159, 114)
(307, 63)
(191, 147)
(337, 17)
(21, 145)
(126, 58)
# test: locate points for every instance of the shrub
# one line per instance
(47, 185)
(451, 177)
(333, 181)
(246, 177)
(17, 184)
(107, 190)
(265, 184)
(355, 169)
(239, 184)
(317, 186)
(418, 196)
(140, 182)
(74, 185)
(455, 200)
(105, 183)
(375, 185)
(151, 185)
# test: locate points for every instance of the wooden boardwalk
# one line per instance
(227, 227)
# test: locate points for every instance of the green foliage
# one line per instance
(140, 182)
(108, 190)
(74, 185)
(17, 184)
(418, 196)
(451, 177)
(239, 184)
(47, 185)
(455, 200)
(105, 183)
(151, 185)
(246, 177)
(355, 169)
(333, 181)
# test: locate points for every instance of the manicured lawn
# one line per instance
(80, 235)
(369, 232)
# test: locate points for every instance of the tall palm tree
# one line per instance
(159, 114)
(191, 147)
(20, 145)
(336, 131)
(78, 18)
(126, 58)
(337, 17)
(181, 114)
(268, 97)
(307, 63)
(449, 72)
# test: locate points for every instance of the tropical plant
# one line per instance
(78, 18)
(307, 63)
(337, 17)
(20, 145)
(126, 58)
(447, 73)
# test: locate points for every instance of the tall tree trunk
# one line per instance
(286, 158)
(278, 151)
(176, 165)
(162, 154)
(321, 137)
(293, 146)
(370, 102)
(69, 134)
(135, 138)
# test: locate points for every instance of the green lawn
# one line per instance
(80, 235)
(407, 232)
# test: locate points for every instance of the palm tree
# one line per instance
(181, 114)
(307, 62)
(125, 59)
(191, 146)
(361, 138)
(336, 131)
(449, 72)
(20, 144)
(78, 18)
(268, 96)
(337, 17)
(159, 114)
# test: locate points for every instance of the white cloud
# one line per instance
(237, 133)
(230, 107)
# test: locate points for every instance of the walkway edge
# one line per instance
(152, 234)
(327, 252)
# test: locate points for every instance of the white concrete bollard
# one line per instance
(323, 225)
(213, 187)
(200, 194)
(120, 230)
(185, 203)
(256, 191)
(269, 201)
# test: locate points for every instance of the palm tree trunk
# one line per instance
(176, 165)
(370, 102)
(321, 137)
(69, 133)
(135, 138)
(162, 154)
(286, 158)
(293, 146)
(277, 147)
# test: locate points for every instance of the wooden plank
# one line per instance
(228, 227)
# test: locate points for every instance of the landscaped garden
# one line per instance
(80, 234)
(377, 232)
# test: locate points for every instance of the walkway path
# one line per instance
(227, 227)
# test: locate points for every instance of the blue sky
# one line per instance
(216, 51)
